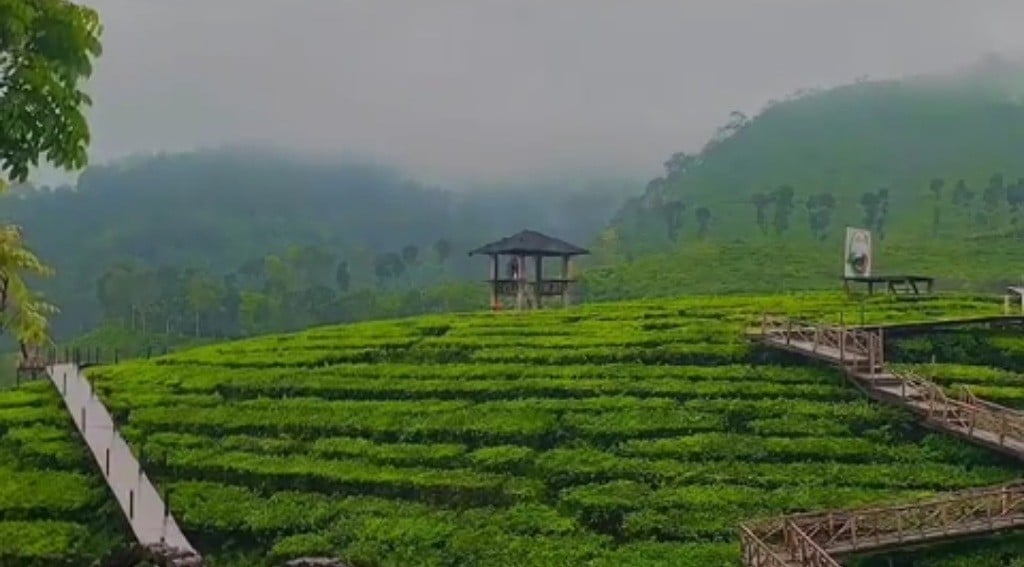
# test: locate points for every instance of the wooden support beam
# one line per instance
(538, 262)
(566, 277)
(494, 280)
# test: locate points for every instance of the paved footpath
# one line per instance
(139, 499)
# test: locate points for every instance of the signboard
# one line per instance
(857, 254)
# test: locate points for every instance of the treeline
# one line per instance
(305, 286)
(215, 211)
(997, 205)
(864, 154)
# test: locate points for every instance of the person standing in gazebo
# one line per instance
(518, 248)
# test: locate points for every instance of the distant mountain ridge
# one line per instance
(896, 135)
(215, 210)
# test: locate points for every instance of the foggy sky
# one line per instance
(474, 89)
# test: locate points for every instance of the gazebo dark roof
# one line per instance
(530, 242)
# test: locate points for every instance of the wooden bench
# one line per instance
(896, 285)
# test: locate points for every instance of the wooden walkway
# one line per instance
(819, 539)
(150, 520)
(939, 324)
(815, 540)
(860, 353)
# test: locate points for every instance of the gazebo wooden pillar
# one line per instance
(519, 248)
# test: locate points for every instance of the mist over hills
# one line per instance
(925, 161)
(931, 164)
(823, 150)
(217, 210)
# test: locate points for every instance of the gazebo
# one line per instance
(528, 291)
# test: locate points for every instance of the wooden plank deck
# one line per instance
(889, 388)
(859, 353)
(894, 541)
(912, 326)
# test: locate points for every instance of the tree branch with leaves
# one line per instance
(47, 48)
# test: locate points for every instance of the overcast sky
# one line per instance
(477, 89)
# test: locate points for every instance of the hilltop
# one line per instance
(914, 159)
(608, 434)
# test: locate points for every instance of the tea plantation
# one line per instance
(608, 434)
(54, 505)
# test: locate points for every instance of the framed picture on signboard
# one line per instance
(857, 257)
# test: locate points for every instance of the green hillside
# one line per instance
(241, 241)
(775, 266)
(818, 161)
(54, 505)
(609, 434)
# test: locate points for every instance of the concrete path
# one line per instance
(138, 498)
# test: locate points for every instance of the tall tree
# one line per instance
(46, 53)
(672, 213)
(410, 253)
(783, 200)
(145, 295)
(342, 277)
(819, 214)
(204, 294)
(703, 222)
(443, 250)
(993, 196)
(935, 186)
(761, 202)
(1015, 199)
(883, 212)
(870, 205)
(677, 165)
(962, 195)
(311, 264)
(654, 195)
(388, 266)
(114, 290)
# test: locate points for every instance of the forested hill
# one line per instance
(912, 157)
(161, 232)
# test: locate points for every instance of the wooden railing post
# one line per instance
(842, 339)
(963, 513)
(881, 347)
(988, 512)
(871, 357)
